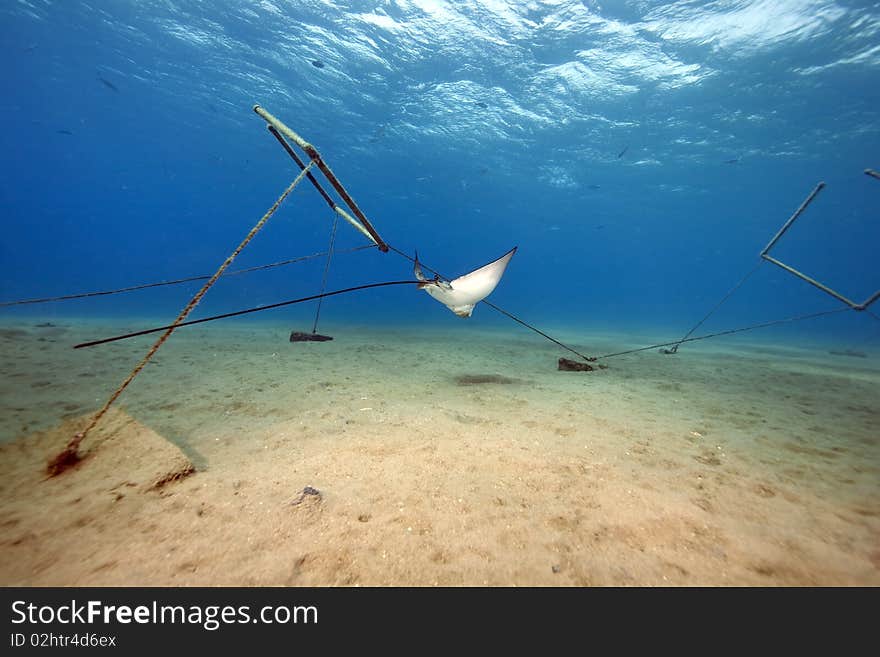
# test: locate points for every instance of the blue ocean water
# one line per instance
(640, 154)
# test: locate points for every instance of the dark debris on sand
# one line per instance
(299, 336)
(482, 379)
(567, 365)
(307, 493)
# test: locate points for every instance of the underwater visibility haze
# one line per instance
(640, 154)
(637, 155)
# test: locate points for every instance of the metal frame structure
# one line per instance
(278, 128)
(765, 253)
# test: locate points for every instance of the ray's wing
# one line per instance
(479, 283)
(462, 294)
(417, 270)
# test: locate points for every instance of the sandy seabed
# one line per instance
(442, 458)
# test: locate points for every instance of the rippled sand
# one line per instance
(452, 458)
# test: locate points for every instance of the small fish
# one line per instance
(733, 161)
(594, 187)
(64, 132)
(317, 63)
(108, 84)
(481, 104)
(623, 152)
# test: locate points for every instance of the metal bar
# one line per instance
(791, 219)
(812, 281)
(238, 313)
(283, 129)
(315, 156)
(301, 165)
(876, 294)
(178, 281)
(354, 222)
(870, 300)
(333, 206)
(775, 322)
(326, 271)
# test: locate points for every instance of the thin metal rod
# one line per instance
(354, 222)
(326, 271)
(179, 281)
(315, 157)
(801, 275)
(717, 306)
(871, 299)
(811, 281)
(791, 219)
(536, 330)
(69, 454)
(300, 164)
(728, 332)
(258, 309)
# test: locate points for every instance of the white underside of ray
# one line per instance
(465, 292)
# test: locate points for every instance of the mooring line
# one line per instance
(797, 213)
(717, 306)
(236, 313)
(727, 332)
(276, 128)
(326, 271)
(179, 281)
(70, 455)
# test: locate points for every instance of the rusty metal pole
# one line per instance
(315, 157)
(333, 206)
